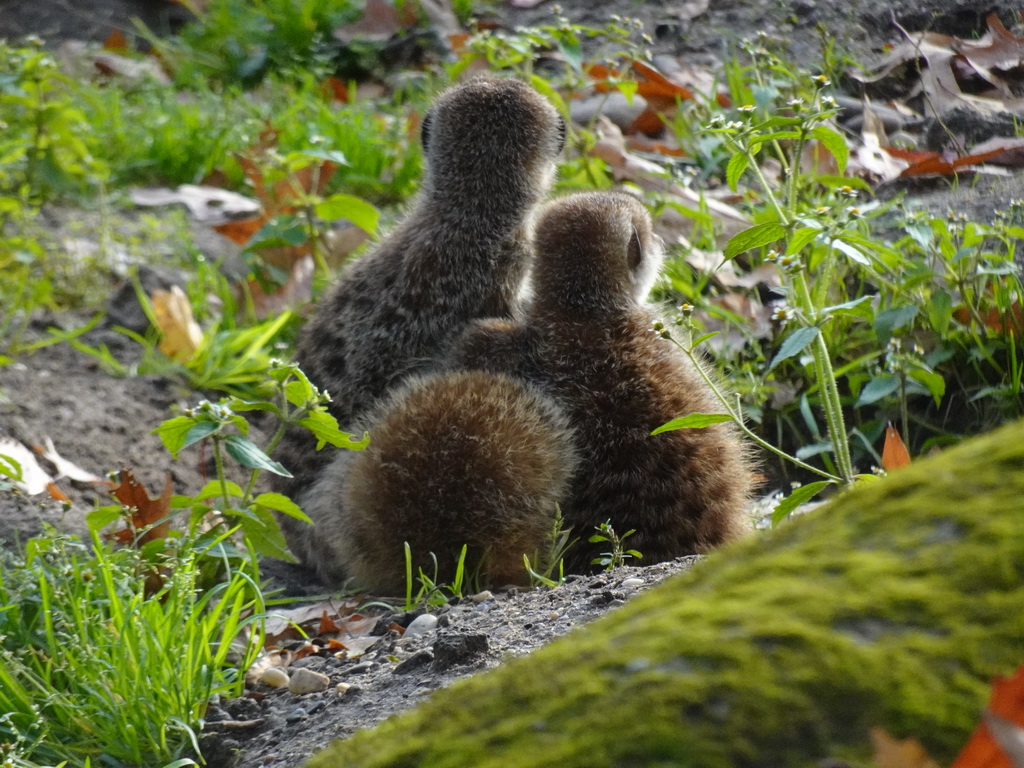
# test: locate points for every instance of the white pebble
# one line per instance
(421, 625)
(481, 597)
(342, 687)
(307, 681)
(275, 677)
(634, 582)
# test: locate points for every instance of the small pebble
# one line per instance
(295, 715)
(479, 597)
(634, 582)
(421, 625)
(358, 669)
(275, 677)
(307, 681)
(341, 688)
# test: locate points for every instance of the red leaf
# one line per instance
(116, 41)
(145, 511)
(894, 454)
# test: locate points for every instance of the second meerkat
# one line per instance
(460, 254)
(586, 342)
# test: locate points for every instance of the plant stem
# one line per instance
(218, 459)
(832, 403)
(737, 418)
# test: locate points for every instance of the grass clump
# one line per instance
(111, 656)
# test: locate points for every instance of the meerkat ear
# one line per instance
(636, 251)
(425, 130)
(561, 134)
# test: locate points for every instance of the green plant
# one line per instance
(551, 560)
(617, 554)
(83, 633)
(429, 591)
(223, 505)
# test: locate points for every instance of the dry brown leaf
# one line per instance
(180, 334)
(116, 41)
(207, 204)
(894, 453)
(897, 753)
(145, 511)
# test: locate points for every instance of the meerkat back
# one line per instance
(587, 342)
(461, 253)
(457, 458)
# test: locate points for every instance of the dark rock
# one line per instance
(451, 649)
(419, 659)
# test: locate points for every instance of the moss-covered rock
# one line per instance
(892, 606)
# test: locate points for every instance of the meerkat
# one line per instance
(463, 458)
(586, 341)
(460, 254)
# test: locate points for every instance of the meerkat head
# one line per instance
(595, 251)
(491, 140)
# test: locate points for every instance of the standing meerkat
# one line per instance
(587, 342)
(463, 458)
(460, 254)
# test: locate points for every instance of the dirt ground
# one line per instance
(102, 423)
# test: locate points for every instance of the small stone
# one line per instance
(307, 681)
(275, 677)
(342, 688)
(296, 715)
(631, 583)
(616, 603)
(421, 625)
(480, 597)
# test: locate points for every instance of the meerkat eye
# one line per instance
(636, 251)
(561, 135)
(425, 130)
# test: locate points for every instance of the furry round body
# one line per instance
(461, 253)
(469, 458)
(587, 343)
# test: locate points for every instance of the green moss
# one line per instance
(893, 606)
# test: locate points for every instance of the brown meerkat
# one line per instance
(586, 341)
(464, 458)
(460, 254)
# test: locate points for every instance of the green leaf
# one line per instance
(693, 421)
(101, 517)
(858, 307)
(199, 431)
(852, 252)
(262, 530)
(245, 452)
(354, 209)
(891, 319)
(281, 503)
(755, 237)
(737, 165)
(283, 229)
(834, 142)
(298, 392)
(934, 382)
(775, 136)
(333, 155)
(940, 311)
(794, 344)
(701, 339)
(325, 428)
(876, 389)
(173, 433)
(573, 53)
(213, 489)
(801, 238)
(799, 496)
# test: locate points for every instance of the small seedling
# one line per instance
(617, 555)
(552, 559)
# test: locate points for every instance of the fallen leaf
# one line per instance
(34, 479)
(146, 512)
(69, 469)
(899, 753)
(116, 41)
(206, 204)
(180, 334)
(998, 741)
(894, 453)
